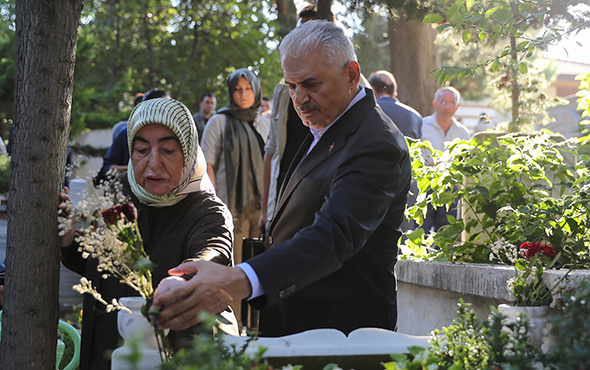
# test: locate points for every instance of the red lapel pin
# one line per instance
(331, 147)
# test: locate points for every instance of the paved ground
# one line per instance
(67, 296)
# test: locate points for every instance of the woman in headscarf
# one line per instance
(179, 217)
(233, 144)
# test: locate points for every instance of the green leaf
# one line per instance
(523, 68)
(416, 235)
(466, 36)
(143, 264)
(443, 27)
(491, 12)
(482, 36)
(432, 18)
(469, 4)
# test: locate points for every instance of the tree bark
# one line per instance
(286, 16)
(325, 10)
(413, 56)
(46, 33)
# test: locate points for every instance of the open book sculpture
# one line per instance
(363, 348)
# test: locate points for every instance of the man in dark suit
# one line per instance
(333, 242)
(405, 117)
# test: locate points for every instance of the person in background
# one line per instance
(440, 129)
(333, 239)
(123, 124)
(117, 157)
(233, 144)
(207, 104)
(406, 118)
(179, 217)
(265, 107)
(484, 123)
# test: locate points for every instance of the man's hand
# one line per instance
(212, 289)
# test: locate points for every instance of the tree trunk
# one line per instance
(325, 10)
(45, 46)
(413, 56)
(286, 16)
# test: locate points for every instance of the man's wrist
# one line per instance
(243, 288)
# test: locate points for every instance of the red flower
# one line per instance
(111, 215)
(129, 211)
(529, 249)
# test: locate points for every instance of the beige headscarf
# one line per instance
(177, 117)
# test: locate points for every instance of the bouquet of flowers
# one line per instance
(112, 236)
(527, 286)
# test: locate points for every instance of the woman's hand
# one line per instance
(66, 218)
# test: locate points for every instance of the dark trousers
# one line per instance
(437, 217)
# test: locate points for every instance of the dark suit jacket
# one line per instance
(404, 117)
(333, 241)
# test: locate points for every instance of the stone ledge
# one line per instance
(483, 280)
(428, 292)
(463, 278)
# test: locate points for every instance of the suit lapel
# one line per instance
(331, 142)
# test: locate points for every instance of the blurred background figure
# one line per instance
(406, 118)
(233, 144)
(265, 107)
(484, 123)
(207, 104)
(123, 124)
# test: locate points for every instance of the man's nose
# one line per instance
(300, 96)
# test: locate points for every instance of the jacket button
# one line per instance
(270, 240)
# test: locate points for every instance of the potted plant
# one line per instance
(531, 296)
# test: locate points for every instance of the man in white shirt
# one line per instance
(440, 129)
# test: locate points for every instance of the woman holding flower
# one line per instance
(178, 214)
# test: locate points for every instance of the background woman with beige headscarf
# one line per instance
(233, 144)
(179, 217)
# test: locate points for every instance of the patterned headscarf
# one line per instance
(177, 117)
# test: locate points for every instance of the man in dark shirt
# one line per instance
(207, 105)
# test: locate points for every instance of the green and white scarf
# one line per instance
(178, 118)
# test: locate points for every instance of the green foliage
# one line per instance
(185, 47)
(6, 80)
(209, 352)
(583, 95)
(471, 343)
(513, 188)
(570, 331)
(4, 174)
(372, 43)
(516, 27)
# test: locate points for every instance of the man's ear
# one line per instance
(352, 71)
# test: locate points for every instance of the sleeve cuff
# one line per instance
(257, 290)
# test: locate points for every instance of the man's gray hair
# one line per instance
(316, 36)
(451, 89)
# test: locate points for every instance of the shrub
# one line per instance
(4, 173)
(570, 331)
(471, 343)
(511, 187)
